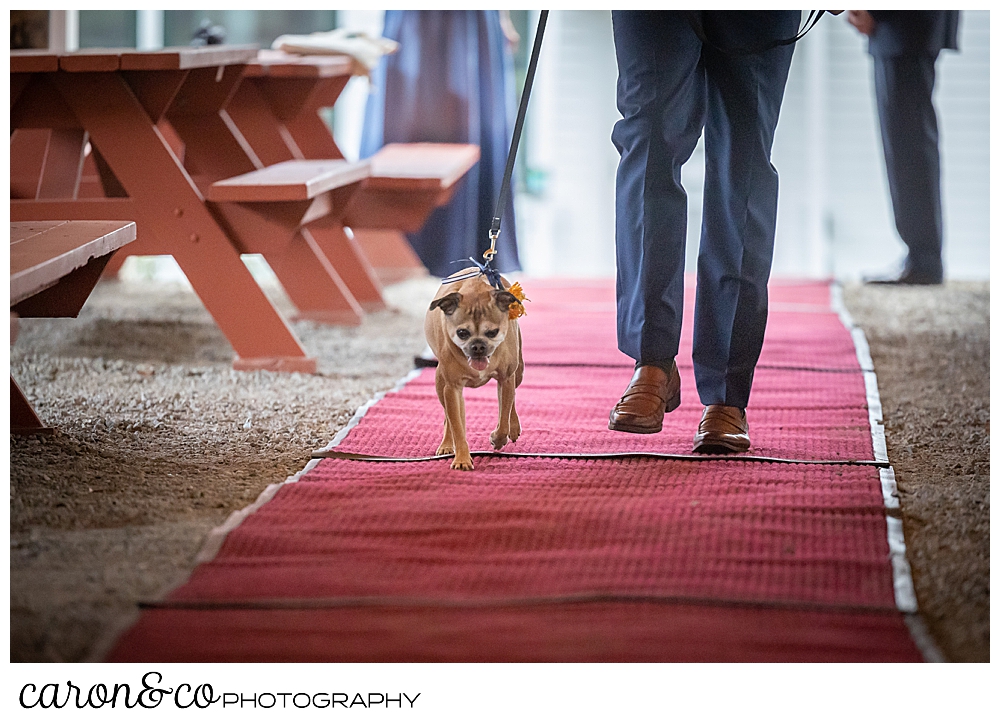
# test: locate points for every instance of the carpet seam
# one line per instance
(359, 457)
(609, 365)
(526, 601)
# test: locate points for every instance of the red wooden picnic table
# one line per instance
(171, 158)
(278, 110)
(54, 266)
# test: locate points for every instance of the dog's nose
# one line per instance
(478, 347)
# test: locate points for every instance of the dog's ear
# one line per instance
(448, 303)
(504, 299)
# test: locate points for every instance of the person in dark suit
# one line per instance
(905, 45)
(680, 73)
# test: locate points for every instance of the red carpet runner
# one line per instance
(569, 559)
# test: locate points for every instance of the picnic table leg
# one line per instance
(273, 229)
(23, 419)
(265, 133)
(355, 270)
(358, 288)
(392, 257)
(63, 164)
(311, 281)
(109, 187)
(168, 200)
(308, 129)
(27, 158)
(306, 275)
(46, 163)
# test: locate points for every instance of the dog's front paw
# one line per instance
(445, 449)
(462, 463)
(498, 439)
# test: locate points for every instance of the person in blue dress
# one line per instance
(451, 81)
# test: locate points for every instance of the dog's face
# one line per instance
(476, 320)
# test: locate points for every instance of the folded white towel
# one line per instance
(365, 50)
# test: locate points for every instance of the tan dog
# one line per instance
(470, 331)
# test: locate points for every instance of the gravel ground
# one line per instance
(158, 440)
(931, 349)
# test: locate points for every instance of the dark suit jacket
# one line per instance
(908, 32)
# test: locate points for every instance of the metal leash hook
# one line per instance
(492, 250)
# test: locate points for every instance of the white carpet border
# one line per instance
(902, 577)
(213, 543)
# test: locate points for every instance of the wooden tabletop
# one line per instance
(33, 61)
(90, 60)
(42, 252)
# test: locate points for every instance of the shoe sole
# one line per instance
(718, 446)
(636, 429)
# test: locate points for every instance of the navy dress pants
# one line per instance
(903, 88)
(671, 86)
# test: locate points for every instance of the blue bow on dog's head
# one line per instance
(485, 269)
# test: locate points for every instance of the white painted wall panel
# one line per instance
(834, 217)
(860, 230)
(568, 230)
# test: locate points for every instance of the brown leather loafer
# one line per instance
(650, 394)
(722, 430)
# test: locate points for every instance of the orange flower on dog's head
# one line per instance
(516, 309)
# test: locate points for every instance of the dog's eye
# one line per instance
(463, 334)
(492, 333)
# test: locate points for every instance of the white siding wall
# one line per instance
(963, 102)
(569, 230)
(858, 223)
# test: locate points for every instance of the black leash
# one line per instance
(522, 109)
(486, 269)
(694, 19)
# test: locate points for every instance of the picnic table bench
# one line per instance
(54, 266)
(407, 182)
(278, 110)
(160, 139)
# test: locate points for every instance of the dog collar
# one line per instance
(516, 309)
(485, 269)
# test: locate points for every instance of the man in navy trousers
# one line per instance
(905, 45)
(680, 73)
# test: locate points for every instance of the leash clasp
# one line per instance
(492, 250)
